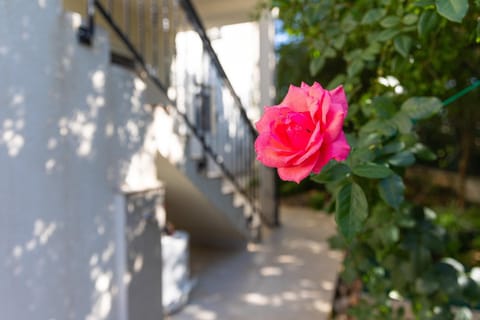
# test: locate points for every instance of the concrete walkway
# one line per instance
(290, 275)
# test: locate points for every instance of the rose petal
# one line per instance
(316, 90)
(340, 148)
(298, 127)
(296, 173)
(313, 146)
(295, 99)
(339, 97)
(270, 115)
(334, 122)
(322, 160)
(272, 153)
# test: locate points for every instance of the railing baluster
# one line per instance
(141, 25)
(126, 17)
(155, 30)
(165, 36)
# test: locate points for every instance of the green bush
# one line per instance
(390, 54)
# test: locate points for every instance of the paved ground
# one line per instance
(290, 275)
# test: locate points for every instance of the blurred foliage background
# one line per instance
(403, 64)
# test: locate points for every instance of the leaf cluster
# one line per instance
(387, 54)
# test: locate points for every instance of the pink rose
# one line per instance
(303, 132)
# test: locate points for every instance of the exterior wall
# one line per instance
(71, 136)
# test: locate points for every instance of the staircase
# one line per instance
(203, 134)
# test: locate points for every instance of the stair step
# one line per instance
(227, 187)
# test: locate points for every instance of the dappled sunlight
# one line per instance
(199, 313)
(42, 232)
(13, 124)
(255, 247)
(323, 306)
(102, 278)
(270, 271)
(98, 80)
(83, 128)
(314, 247)
(289, 259)
(289, 275)
(328, 285)
(308, 299)
(335, 255)
(164, 126)
(257, 299)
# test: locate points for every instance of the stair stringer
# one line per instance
(194, 201)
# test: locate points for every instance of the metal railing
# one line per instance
(168, 43)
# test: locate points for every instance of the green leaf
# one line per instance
(391, 190)
(425, 287)
(402, 122)
(403, 44)
(421, 107)
(355, 67)
(316, 64)
(373, 15)
(369, 140)
(383, 127)
(329, 52)
(353, 55)
(384, 107)
(390, 22)
(427, 284)
(372, 51)
(392, 147)
(372, 170)
(453, 10)
(338, 80)
(409, 139)
(424, 3)
(477, 38)
(333, 171)
(387, 34)
(447, 276)
(360, 155)
(402, 159)
(351, 210)
(424, 153)
(348, 23)
(339, 41)
(409, 19)
(428, 22)
(391, 234)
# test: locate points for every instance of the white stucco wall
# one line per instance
(71, 130)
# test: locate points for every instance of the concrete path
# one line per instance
(290, 275)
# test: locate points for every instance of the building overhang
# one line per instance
(216, 13)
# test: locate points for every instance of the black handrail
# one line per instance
(136, 54)
(199, 28)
